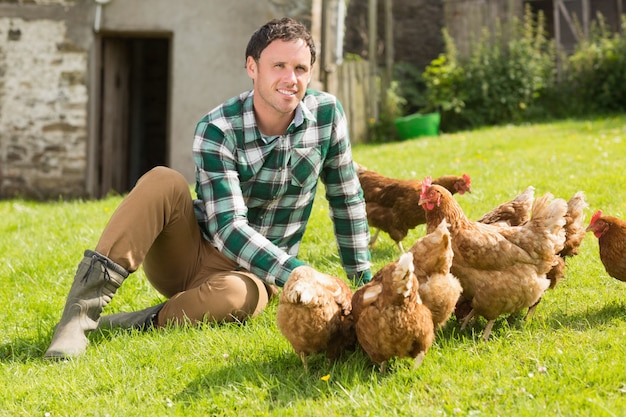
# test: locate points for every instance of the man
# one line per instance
(258, 159)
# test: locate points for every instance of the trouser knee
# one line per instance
(228, 297)
(164, 177)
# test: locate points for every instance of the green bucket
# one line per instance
(417, 124)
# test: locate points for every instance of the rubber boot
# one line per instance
(139, 320)
(97, 278)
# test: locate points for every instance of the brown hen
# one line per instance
(517, 212)
(611, 234)
(511, 213)
(314, 314)
(390, 319)
(502, 269)
(438, 288)
(392, 204)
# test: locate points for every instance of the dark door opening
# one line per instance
(133, 120)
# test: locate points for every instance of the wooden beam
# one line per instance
(567, 18)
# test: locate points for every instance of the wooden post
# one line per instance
(373, 15)
(557, 38)
(317, 80)
(586, 17)
(388, 52)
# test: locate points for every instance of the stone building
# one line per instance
(95, 92)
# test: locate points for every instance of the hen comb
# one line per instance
(467, 179)
(427, 182)
(596, 216)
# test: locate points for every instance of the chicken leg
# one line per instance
(531, 311)
(487, 330)
(467, 319)
(303, 357)
(373, 238)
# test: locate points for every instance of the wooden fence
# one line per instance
(350, 82)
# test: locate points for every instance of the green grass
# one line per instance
(569, 360)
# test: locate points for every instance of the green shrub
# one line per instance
(503, 82)
(444, 80)
(596, 72)
(499, 82)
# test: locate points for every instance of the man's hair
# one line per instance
(284, 29)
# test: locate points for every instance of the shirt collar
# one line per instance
(302, 113)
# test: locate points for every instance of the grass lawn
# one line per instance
(569, 360)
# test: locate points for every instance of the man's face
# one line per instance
(280, 77)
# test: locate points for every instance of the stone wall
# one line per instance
(43, 108)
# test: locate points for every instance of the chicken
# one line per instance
(517, 212)
(574, 235)
(574, 225)
(611, 234)
(313, 314)
(502, 269)
(390, 319)
(392, 204)
(439, 290)
(512, 213)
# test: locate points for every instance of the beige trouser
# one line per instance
(155, 226)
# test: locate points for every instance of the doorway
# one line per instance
(132, 132)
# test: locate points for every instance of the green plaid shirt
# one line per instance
(256, 193)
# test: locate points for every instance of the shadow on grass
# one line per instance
(282, 378)
(591, 317)
(22, 349)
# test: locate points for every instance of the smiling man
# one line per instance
(259, 157)
(280, 74)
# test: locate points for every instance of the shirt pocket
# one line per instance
(305, 166)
